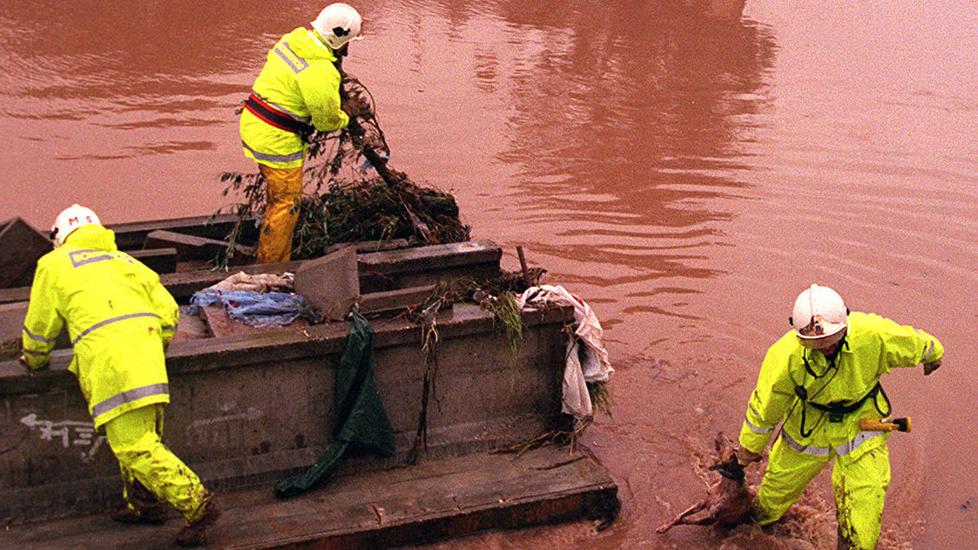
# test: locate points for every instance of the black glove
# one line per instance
(745, 457)
(355, 106)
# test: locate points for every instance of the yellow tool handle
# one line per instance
(880, 425)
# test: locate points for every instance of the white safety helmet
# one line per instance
(819, 316)
(338, 24)
(70, 219)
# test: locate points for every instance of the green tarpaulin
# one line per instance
(361, 421)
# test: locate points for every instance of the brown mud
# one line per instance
(686, 167)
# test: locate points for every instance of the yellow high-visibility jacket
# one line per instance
(299, 79)
(873, 346)
(119, 319)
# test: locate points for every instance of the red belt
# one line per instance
(270, 115)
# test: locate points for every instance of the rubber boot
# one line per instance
(195, 534)
(141, 507)
(154, 515)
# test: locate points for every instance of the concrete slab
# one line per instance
(12, 320)
(191, 327)
(433, 500)
(330, 284)
(21, 245)
(220, 324)
(370, 246)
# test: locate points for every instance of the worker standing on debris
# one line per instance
(120, 320)
(297, 92)
(819, 380)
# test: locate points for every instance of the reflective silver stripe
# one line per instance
(36, 337)
(807, 449)
(128, 397)
(32, 352)
(288, 61)
(91, 260)
(283, 110)
(855, 442)
(929, 351)
(109, 322)
(273, 158)
(757, 429)
(753, 410)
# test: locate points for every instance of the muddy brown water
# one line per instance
(686, 169)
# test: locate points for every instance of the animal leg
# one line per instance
(680, 519)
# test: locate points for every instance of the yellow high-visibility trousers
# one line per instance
(134, 438)
(281, 213)
(859, 486)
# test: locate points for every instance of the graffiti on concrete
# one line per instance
(71, 433)
(251, 414)
(222, 430)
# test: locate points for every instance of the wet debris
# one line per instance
(351, 194)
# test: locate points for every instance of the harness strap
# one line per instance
(276, 118)
(837, 411)
(840, 408)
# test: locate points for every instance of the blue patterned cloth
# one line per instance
(256, 309)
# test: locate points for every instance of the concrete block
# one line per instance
(330, 284)
(21, 245)
(17, 294)
(12, 320)
(394, 300)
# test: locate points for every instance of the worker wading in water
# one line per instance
(120, 319)
(819, 380)
(297, 92)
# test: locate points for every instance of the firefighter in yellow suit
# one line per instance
(297, 92)
(119, 319)
(819, 380)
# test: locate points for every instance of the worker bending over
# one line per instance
(120, 320)
(297, 92)
(819, 380)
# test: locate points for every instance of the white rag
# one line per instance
(259, 282)
(596, 366)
